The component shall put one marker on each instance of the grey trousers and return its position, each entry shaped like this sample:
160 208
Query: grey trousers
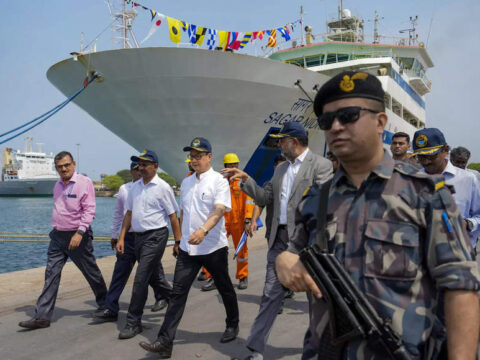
273 294
149 248
82 257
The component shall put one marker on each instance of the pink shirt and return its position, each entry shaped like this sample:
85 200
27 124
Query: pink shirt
73 204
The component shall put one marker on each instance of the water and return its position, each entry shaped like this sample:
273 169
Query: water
33 215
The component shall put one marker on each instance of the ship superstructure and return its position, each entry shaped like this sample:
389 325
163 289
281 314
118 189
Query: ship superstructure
162 97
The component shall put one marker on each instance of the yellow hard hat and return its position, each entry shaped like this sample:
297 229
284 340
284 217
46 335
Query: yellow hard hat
231 158
188 160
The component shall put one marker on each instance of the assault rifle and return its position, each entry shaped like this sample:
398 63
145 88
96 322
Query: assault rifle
351 315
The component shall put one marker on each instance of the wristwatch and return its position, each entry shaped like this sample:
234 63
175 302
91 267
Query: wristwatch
80 232
469 225
204 230
248 221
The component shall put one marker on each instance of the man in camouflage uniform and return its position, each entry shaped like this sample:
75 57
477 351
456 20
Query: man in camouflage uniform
396 230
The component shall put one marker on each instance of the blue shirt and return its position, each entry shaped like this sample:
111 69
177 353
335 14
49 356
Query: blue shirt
467 196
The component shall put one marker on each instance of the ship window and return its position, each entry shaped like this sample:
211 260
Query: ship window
314 61
331 58
388 101
342 57
396 107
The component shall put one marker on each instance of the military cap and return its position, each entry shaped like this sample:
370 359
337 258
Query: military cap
349 84
291 129
147 155
134 165
428 142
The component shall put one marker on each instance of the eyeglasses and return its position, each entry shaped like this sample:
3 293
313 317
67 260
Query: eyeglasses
197 156
344 115
63 166
427 157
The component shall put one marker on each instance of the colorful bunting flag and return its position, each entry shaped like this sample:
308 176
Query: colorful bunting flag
232 38
156 22
260 34
153 13
246 39
223 39
192 33
284 32
272 39
235 45
201 31
211 35
174 26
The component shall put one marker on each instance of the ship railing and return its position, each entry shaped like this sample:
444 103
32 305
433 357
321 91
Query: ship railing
415 73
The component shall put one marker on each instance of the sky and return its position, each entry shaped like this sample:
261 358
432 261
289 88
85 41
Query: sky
37 34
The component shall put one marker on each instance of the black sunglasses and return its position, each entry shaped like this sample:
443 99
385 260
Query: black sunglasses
344 115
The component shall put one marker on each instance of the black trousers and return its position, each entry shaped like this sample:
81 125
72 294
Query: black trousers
186 270
82 257
149 248
123 268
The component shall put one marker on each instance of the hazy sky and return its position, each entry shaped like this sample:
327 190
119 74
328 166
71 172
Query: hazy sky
36 34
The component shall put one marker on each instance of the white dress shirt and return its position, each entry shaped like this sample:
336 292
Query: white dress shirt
120 209
151 204
287 184
197 200
467 196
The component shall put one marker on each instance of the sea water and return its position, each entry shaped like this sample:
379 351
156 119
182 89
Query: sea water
34 215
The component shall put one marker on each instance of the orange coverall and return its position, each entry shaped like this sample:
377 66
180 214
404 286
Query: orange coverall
242 208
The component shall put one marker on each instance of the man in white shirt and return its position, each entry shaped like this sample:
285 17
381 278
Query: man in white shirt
126 261
290 181
150 204
431 149
204 198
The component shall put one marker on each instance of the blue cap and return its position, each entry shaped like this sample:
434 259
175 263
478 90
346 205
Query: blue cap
292 129
147 155
428 142
199 144
134 165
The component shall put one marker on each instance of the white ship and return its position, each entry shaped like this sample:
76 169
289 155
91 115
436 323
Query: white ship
27 173
160 98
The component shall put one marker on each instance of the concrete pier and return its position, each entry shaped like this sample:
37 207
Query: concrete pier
74 335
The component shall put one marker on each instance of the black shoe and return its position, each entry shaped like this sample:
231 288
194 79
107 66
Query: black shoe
99 310
34 324
130 331
105 316
202 277
164 350
210 285
229 334
243 283
159 305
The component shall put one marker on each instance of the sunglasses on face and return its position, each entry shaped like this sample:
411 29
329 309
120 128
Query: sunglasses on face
197 156
344 115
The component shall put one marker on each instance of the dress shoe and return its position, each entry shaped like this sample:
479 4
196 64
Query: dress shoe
160 305
106 316
229 334
34 324
99 310
202 277
163 350
210 285
130 331
243 283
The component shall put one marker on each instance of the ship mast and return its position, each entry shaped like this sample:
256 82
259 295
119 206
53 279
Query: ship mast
122 32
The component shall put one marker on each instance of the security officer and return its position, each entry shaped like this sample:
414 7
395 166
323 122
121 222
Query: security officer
396 230
235 220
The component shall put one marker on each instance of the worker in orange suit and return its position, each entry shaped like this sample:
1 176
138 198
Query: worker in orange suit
235 220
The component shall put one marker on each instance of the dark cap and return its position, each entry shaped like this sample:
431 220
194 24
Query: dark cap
428 142
133 165
348 84
147 155
199 144
291 129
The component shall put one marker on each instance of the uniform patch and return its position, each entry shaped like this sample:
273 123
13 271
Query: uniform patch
347 84
421 141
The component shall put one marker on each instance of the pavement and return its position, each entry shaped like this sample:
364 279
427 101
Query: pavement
73 333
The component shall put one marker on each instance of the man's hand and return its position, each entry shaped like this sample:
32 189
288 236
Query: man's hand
113 243
75 241
293 275
176 250
251 228
233 173
197 237
120 246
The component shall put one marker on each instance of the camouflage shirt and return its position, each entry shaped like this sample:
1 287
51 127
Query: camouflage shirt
396 245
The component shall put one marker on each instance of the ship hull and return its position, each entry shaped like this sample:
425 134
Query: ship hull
27 188
162 98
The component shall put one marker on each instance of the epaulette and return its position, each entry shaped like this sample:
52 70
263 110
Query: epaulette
436 181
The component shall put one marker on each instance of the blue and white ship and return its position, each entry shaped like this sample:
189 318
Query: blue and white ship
162 97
